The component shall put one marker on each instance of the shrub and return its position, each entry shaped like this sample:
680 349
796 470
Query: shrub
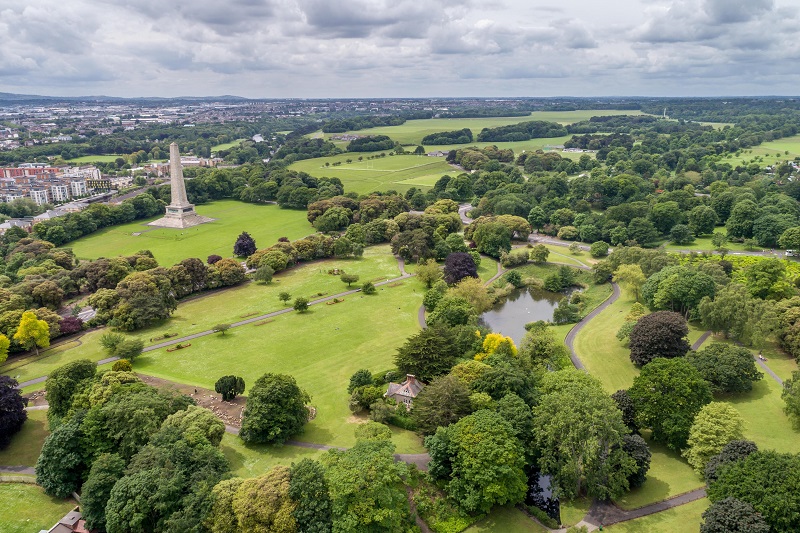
213 259
369 288
229 387
123 365
598 249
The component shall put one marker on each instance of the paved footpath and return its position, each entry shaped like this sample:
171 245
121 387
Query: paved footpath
173 341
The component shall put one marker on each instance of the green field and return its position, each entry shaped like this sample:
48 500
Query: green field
26 508
769 152
110 158
412 131
226 146
682 518
27 444
266 223
399 172
506 520
321 349
30 367
253 460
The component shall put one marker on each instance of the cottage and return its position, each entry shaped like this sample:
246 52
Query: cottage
405 392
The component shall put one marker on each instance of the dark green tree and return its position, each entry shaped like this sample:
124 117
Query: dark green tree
106 470
309 490
730 515
63 383
443 402
660 334
275 410
12 410
245 245
428 354
359 379
229 387
667 395
727 368
64 460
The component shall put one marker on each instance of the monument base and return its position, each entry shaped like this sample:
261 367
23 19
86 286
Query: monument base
180 217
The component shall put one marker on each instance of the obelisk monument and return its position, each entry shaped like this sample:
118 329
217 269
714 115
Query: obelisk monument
180 213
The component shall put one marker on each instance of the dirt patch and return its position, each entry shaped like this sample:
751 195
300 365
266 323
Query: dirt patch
229 412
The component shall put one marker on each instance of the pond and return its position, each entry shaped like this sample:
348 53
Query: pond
521 307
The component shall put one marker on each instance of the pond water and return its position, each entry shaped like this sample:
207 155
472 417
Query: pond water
521 307
540 494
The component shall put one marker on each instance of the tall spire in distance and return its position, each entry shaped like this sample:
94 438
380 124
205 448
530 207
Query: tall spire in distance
179 213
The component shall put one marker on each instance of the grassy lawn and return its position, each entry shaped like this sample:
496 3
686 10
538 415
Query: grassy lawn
506 520
266 223
226 146
669 475
400 172
412 131
110 158
321 349
254 460
25 508
23 369
252 299
573 511
770 152
701 244
27 444
683 518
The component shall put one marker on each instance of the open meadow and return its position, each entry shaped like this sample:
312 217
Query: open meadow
106 158
321 348
26 445
265 223
26 508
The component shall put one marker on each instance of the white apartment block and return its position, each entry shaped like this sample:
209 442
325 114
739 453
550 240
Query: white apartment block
40 196
12 197
60 193
78 188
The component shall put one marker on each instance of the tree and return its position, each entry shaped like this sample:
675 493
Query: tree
361 378
275 410
791 396
221 328
428 272
4 344
598 249
32 332
729 369
443 402
458 266
106 470
263 503
539 254
369 288
667 395
626 407
631 278
122 365
428 354
349 278
790 239
719 239
263 274
665 215
643 232
229 387
702 220
637 449
309 490
146 297
492 238
452 311
659 334
110 340
735 450
537 217
366 490
480 461
681 234
63 461
473 291
580 437
63 383
129 349
768 481
730 515
715 425
300 305
284 296
12 410
221 517
245 246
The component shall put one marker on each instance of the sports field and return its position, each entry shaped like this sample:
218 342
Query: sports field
226 146
266 223
109 158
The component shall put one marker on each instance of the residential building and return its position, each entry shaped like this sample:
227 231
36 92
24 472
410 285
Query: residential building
405 392
40 196
59 193
78 188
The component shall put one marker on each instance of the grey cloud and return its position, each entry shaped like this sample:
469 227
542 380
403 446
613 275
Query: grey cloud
731 11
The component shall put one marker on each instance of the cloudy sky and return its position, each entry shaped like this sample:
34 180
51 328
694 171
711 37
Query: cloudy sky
375 48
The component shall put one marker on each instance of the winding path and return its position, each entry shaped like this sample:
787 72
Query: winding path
400 264
605 513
